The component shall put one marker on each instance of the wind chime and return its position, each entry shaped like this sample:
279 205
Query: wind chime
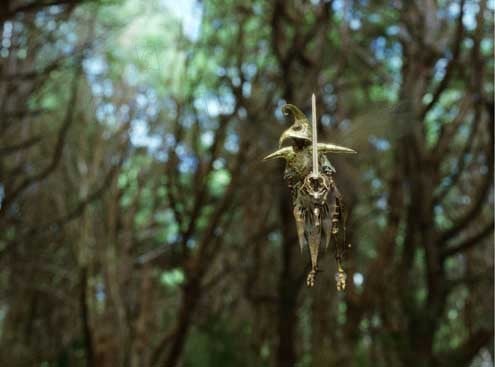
318 207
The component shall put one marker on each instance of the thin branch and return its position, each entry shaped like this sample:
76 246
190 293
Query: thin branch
28 143
451 65
35 6
462 158
448 131
59 146
482 191
469 242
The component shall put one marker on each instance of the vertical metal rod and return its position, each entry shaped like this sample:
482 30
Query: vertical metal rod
315 136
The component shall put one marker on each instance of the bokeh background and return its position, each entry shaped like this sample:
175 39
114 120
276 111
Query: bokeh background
139 227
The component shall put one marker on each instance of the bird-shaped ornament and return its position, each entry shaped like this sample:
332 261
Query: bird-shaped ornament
317 202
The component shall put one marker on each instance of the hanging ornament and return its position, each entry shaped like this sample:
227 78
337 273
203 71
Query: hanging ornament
318 206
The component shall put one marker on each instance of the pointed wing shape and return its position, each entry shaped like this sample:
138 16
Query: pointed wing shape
325 148
284 152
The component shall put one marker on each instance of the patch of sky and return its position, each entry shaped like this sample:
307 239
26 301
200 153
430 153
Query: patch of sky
279 115
105 113
329 98
42 18
6 42
274 236
380 144
469 17
232 142
187 119
236 80
393 30
189 12
169 140
439 69
221 71
100 292
394 59
467 43
141 100
328 89
161 155
188 162
207 138
94 66
107 88
378 46
358 279
338 5
487 45
219 163
131 74
246 89
326 120
123 113
376 183
355 24
7 29
6 36
453 10
381 203
242 113
55 9
345 125
214 106
369 174
374 18
249 70
140 136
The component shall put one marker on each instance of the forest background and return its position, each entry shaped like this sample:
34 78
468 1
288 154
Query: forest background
139 227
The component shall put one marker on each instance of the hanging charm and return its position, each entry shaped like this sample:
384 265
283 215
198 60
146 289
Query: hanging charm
318 207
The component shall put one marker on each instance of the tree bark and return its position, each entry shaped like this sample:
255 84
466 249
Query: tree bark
83 301
287 300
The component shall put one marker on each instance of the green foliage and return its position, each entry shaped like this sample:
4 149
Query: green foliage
216 344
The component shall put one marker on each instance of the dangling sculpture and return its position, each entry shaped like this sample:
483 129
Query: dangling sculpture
318 207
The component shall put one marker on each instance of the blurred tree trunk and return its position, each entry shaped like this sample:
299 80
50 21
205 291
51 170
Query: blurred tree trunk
288 289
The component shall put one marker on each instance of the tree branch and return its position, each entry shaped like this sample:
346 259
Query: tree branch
482 191
469 242
59 146
451 65
462 159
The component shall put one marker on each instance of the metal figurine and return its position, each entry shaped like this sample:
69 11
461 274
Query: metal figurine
318 207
